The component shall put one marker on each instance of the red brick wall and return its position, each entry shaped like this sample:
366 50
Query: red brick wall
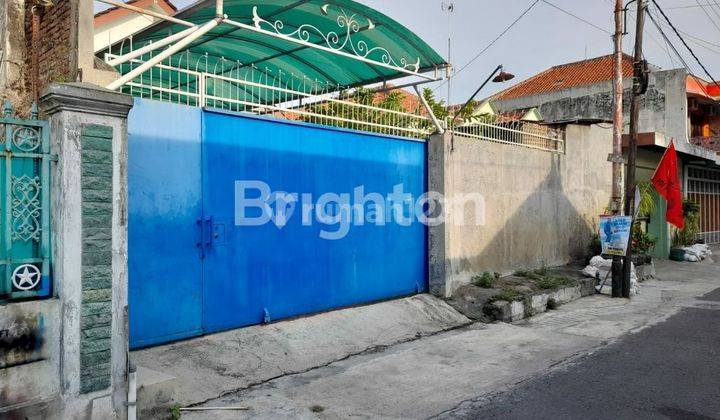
57 44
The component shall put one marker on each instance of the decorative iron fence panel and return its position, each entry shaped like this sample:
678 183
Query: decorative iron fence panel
24 206
517 133
279 95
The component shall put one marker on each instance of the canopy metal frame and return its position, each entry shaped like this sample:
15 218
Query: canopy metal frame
336 43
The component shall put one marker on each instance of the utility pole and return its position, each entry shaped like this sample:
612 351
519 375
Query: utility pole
639 87
449 8
616 157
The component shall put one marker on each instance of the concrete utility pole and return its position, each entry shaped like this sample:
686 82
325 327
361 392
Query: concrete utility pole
449 8
640 83
616 157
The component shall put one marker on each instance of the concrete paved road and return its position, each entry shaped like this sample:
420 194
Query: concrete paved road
457 373
670 370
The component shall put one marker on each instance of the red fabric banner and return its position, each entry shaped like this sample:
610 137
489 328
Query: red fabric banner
667 183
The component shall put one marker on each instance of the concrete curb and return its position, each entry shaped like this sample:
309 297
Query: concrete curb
514 311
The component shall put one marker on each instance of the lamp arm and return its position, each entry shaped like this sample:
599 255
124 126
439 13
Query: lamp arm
467 104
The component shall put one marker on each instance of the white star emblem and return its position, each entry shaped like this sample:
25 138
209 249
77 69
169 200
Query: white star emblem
26 277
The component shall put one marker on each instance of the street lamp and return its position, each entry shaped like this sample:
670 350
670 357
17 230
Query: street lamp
501 77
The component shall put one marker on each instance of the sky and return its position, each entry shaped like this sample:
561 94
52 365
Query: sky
545 36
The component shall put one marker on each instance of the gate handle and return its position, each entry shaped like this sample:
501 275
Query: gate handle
208 232
201 233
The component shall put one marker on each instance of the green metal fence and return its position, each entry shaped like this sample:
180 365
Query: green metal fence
24 206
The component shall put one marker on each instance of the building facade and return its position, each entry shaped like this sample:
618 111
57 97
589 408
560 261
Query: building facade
677 106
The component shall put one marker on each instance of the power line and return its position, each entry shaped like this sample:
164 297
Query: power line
697 38
701 42
704 46
576 17
708 15
713 8
487 47
684 43
672 46
692 6
654 39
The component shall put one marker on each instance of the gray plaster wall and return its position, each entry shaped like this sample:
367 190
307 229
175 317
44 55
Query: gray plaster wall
540 208
663 107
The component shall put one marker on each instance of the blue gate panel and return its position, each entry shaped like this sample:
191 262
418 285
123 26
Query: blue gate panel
165 203
251 272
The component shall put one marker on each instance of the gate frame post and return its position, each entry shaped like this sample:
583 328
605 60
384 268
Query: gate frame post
90 313
438 150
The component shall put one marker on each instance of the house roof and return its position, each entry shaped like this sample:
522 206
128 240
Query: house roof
699 87
109 15
565 76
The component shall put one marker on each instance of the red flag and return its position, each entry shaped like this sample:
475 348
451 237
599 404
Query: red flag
667 183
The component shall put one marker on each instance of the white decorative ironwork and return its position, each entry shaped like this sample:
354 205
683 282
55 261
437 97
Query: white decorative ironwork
26 208
26 277
333 40
231 86
515 132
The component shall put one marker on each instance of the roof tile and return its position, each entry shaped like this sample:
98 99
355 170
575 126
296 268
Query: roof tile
564 76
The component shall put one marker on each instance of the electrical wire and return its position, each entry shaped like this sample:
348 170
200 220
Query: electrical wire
708 15
661 44
487 47
691 6
576 17
684 43
700 44
713 8
677 53
697 38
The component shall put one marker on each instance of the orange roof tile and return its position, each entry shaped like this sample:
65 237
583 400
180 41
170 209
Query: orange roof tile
699 87
564 76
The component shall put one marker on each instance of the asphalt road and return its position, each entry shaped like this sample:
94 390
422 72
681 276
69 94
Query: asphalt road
669 370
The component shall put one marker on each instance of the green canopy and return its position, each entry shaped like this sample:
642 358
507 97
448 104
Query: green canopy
341 25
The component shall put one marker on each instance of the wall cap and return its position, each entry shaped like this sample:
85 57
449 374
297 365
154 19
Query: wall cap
87 98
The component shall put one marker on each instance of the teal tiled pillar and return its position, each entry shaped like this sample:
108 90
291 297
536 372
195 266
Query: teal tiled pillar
89 208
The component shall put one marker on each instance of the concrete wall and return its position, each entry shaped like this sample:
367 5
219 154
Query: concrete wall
110 33
663 107
541 208
12 48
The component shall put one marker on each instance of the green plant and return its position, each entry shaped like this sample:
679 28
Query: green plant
552 282
175 412
485 280
647 198
543 279
688 235
642 242
508 295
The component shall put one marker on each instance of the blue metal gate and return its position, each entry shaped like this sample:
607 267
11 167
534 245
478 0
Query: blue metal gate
194 269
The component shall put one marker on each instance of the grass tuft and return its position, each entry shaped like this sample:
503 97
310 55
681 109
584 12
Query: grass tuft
486 280
543 279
